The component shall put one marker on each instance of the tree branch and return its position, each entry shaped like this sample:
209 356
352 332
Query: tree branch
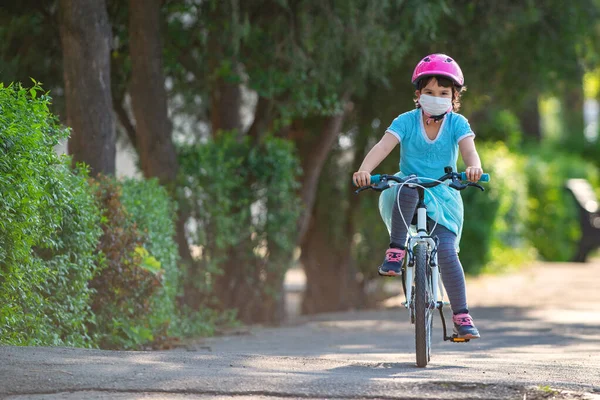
313 164
125 122
262 118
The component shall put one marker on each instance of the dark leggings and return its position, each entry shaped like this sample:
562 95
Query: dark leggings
452 271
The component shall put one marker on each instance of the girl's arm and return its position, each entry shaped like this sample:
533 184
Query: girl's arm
377 154
471 158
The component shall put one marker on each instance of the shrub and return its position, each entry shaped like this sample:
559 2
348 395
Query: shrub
244 207
48 228
136 288
553 222
71 256
154 213
494 232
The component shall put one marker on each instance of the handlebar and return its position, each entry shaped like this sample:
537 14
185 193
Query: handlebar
375 179
381 182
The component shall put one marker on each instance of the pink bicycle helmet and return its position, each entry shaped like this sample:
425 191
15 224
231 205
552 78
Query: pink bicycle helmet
438 64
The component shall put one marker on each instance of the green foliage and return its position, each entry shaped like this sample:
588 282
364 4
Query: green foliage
243 203
504 57
71 257
153 212
190 323
525 205
302 56
553 223
494 232
48 228
501 125
136 289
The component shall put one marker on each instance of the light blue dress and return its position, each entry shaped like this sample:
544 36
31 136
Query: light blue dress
427 158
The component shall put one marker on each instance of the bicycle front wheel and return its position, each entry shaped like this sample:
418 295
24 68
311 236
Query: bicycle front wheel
423 311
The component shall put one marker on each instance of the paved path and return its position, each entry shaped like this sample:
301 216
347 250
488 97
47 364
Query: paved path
540 339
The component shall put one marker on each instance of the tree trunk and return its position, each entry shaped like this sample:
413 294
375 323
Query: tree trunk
313 161
572 118
324 271
332 282
225 91
529 117
85 36
240 291
149 102
262 119
573 112
331 279
355 287
226 104
126 122
148 94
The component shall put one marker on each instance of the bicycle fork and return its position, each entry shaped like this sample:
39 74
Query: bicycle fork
431 244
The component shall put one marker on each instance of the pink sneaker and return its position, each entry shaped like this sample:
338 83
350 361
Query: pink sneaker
392 264
464 327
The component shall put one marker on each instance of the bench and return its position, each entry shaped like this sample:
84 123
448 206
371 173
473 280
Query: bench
589 217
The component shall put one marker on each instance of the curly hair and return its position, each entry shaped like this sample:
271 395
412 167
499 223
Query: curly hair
457 91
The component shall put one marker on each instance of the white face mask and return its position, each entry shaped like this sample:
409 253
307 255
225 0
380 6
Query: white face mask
433 105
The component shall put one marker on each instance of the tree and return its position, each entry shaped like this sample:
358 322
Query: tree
152 134
148 94
512 51
307 61
86 37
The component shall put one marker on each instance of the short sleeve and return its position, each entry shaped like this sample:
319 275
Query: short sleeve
462 129
399 126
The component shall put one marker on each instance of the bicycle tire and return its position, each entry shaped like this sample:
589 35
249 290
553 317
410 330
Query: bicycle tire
423 313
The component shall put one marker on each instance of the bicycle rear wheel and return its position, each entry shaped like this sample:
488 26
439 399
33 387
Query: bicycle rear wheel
423 311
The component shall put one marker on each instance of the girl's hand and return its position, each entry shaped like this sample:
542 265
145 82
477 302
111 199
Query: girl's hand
474 173
362 178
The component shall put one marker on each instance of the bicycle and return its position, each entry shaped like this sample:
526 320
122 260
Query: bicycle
422 286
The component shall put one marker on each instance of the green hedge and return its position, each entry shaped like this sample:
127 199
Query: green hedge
136 288
48 228
82 262
494 233
154 212
525 207
70 255
553 222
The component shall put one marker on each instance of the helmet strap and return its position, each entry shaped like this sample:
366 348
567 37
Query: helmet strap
434 118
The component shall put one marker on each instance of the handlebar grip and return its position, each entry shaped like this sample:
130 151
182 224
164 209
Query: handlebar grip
375 179
484 177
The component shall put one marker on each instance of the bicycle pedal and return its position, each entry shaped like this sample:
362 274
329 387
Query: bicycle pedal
395 275
455 339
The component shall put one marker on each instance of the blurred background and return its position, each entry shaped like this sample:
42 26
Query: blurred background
220 138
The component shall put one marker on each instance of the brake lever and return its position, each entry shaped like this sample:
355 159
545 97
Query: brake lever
478 186
362 188
457 185
379 187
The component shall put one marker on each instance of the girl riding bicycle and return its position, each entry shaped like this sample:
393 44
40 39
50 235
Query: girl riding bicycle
430 138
